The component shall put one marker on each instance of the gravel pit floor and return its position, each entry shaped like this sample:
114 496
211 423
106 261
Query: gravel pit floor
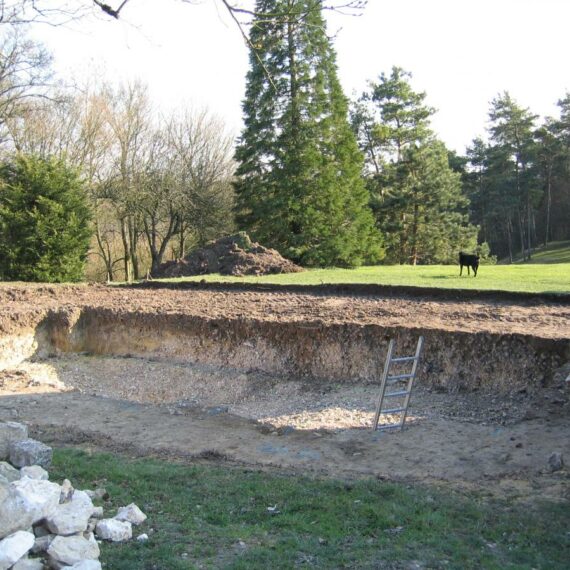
147 407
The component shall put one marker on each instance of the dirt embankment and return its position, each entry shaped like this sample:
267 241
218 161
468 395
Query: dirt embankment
185 372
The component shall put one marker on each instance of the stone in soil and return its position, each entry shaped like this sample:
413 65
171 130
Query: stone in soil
10 432
114 530
72 549
30 452
14 547
131 513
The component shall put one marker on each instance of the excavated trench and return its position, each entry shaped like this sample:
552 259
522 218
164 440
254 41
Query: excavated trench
185 373
345 354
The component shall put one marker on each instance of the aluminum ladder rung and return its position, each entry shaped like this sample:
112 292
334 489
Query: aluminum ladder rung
389 426
396 394
388 380
404 359
392 411
392 379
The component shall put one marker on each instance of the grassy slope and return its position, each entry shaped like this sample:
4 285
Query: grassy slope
199 514
554 277
557 252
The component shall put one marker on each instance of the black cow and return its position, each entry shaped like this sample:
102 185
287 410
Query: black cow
469 261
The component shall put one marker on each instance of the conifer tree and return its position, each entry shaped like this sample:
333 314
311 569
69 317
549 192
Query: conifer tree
416 195
299 186
44 221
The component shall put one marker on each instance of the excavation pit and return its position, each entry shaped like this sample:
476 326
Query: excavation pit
290 379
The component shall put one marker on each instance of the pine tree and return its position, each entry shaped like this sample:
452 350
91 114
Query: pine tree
416 195
299 185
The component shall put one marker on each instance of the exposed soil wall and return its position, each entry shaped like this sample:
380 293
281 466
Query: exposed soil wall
455 361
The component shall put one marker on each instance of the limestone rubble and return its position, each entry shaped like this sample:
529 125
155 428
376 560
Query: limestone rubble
44 524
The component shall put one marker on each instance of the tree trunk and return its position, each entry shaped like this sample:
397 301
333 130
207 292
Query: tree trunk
105 254
414 249
521 232
127 251
510 238
133 239
548 205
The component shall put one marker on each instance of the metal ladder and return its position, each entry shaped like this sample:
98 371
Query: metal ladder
400 393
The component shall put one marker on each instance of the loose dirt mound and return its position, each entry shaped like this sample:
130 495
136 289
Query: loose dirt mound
232 255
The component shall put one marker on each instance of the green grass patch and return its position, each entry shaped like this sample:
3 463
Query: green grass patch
218 517
556 252
552 278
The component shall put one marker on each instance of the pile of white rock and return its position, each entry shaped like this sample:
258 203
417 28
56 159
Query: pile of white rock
46 525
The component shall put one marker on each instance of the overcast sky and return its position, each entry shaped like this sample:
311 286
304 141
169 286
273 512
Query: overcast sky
461 52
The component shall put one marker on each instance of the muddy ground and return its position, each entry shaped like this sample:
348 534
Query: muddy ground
496 442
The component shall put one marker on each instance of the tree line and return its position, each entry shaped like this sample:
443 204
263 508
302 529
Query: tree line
325 180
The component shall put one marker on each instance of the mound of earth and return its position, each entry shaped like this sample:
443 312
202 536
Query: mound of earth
231 255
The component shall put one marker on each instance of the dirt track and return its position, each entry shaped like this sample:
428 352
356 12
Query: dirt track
471 439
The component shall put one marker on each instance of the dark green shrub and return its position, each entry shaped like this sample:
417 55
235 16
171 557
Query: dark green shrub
44 221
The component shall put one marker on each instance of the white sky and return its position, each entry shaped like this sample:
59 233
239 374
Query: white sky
461 52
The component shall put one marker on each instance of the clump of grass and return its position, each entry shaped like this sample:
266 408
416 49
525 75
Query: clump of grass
220 517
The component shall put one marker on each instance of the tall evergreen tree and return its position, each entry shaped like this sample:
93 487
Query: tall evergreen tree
416 194
299 186
512 133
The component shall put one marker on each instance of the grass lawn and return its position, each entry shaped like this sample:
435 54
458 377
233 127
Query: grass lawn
218 517
554 277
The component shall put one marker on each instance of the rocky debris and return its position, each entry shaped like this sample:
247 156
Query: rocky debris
67 491
8 472
142 537
231 255
100 493
55 523
30 452
114 530
132 514
27 502
14 547
69 550
34 472
28 564
97 513
555 462
72 516
11 432
42 543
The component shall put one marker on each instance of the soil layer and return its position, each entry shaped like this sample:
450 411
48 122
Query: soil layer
288 379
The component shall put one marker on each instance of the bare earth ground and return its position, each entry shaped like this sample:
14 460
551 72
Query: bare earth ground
144 407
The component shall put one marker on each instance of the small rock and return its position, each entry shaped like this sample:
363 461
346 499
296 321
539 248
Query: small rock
142 537
29 564
41 544
30 452
11 432
13 547
131 513
73 549
114 530
41 530
100 493
71 517
97 513
555 462
34 472
67 491
8 472
27 502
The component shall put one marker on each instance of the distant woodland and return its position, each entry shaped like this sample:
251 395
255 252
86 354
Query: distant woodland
96 183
